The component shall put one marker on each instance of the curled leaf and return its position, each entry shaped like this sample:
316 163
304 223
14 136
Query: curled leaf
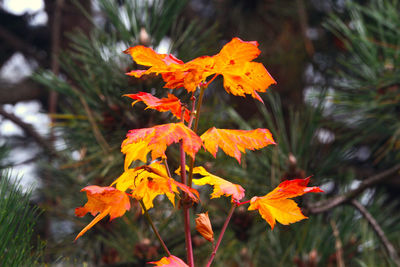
102 201
276 205
203 226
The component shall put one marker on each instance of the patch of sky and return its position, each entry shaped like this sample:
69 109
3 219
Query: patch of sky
164 47
328 187
19 7
34 9
29 112
16 68
325 136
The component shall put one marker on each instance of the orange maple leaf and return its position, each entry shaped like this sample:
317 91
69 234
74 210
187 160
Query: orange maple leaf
241 76
275 206
157 138
171 261
102 200
234 63
221 186
149 181
159 63
191 74
171 103
233 142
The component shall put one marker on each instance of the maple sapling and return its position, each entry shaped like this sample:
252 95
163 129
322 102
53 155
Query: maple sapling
241 77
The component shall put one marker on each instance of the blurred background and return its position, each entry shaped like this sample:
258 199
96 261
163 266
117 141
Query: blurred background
334 114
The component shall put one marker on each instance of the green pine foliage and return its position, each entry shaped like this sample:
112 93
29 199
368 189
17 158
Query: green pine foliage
367 87
17 221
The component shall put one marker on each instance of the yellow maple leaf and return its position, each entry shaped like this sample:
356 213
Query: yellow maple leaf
221 186
148 181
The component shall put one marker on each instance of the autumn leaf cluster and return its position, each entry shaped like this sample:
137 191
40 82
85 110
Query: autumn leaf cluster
241 77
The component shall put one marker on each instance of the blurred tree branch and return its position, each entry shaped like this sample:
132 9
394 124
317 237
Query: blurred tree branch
30 131
378 230
326 205
26 89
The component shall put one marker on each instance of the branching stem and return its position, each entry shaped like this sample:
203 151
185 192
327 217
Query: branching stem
391 251
328 204
221 235
242 203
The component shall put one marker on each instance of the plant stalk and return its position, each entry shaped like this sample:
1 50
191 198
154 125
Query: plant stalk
198 107
192 111
167 167
185 207
221 235
154 228
195 128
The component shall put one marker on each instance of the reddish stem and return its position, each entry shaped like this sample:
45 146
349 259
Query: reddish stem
186 215
195 127
210 81
221 235
242 203
192 114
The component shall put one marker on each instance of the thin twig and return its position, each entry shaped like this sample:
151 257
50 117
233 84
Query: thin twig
333 202
338 244
210 81
154 228
167 167
30 131
378 230
221 235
